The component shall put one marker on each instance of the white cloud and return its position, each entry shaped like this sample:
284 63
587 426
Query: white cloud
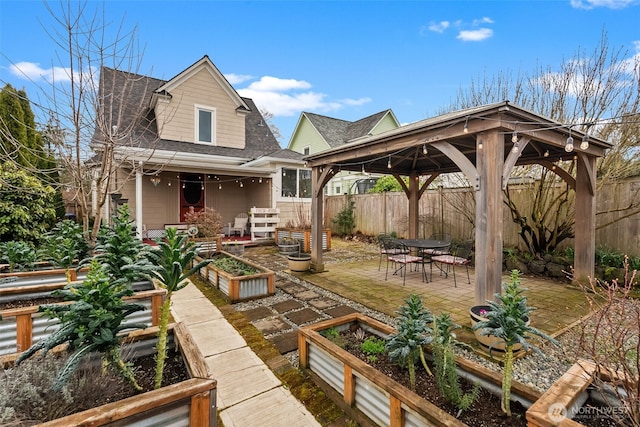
235 79
289 97
611 4
439 27
475 35
356 102
484 20
33 71
268 83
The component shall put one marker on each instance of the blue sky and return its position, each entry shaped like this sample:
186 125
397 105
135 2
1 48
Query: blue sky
343 59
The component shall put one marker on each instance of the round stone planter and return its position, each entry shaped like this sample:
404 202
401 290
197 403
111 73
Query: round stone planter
299 262
488 341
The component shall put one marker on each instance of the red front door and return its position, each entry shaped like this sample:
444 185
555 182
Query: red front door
191 193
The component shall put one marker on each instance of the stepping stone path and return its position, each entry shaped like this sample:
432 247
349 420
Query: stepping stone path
295 303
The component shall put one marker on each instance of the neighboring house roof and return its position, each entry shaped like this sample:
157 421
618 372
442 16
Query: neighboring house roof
337 132
132 97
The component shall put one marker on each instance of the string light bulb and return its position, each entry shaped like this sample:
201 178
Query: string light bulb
424 149
546 153
514 137
466 125
585 142
260 180
516 145
389 163
568 147
241 184
480 145
363 171
220 186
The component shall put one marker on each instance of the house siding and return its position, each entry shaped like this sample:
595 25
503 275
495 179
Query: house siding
387 123
176 119
307 135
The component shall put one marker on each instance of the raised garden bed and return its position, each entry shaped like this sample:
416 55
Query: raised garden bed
22 327
39 277
372 397
191 402
304 236
252 281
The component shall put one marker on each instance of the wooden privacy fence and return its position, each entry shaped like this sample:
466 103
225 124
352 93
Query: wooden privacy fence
453 210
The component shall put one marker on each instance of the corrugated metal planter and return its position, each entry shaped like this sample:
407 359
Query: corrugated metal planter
188 403
240 288
24 326
40 277
304 236
371 397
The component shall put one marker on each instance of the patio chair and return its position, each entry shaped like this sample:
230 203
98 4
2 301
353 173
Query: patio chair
403 258
460 255
445 250
385 251
240 224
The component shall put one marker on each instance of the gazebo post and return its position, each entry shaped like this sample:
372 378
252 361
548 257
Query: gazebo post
318 180
585 223
488 249
413 204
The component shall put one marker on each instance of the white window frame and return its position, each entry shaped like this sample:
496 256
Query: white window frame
212 110
297 195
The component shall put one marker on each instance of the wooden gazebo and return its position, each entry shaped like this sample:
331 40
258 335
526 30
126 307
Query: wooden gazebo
485 143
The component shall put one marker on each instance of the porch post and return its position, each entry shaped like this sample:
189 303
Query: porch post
585 225
488 249
139 202
316 220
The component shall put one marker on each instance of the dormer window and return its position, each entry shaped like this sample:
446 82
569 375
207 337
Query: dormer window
205 125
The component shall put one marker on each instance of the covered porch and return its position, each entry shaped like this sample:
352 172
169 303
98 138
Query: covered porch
485 144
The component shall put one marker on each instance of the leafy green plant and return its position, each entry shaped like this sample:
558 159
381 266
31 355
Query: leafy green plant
346 218
18 254
65 245
508 319
175 263
122 255
445 364
405 346
233 266
91 323
333 335
372 347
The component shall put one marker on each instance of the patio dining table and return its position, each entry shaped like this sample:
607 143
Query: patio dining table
420 245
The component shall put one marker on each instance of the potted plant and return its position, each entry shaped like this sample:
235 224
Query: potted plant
299 261
508 319
288 245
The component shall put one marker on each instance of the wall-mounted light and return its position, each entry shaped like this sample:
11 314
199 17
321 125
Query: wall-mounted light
155 180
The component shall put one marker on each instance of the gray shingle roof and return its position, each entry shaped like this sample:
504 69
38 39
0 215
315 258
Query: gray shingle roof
130 94
337 132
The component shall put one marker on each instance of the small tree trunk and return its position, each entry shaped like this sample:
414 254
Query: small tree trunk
162 340
506 380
